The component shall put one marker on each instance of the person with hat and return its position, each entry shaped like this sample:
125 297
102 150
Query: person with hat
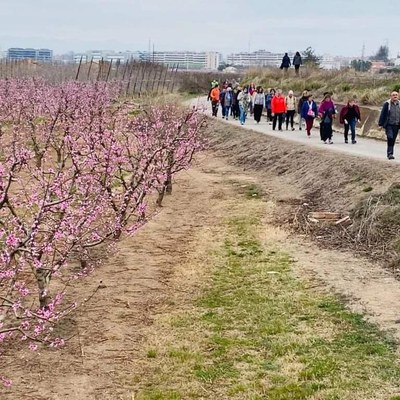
291 104
214 97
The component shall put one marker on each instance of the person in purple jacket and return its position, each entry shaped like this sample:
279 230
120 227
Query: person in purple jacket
327 112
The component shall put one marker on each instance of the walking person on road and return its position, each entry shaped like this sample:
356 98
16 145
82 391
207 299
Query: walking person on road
302 100
327 113
244 101
285 65
268 99
349 116
259 103
252 93
222 100
278 108
228 100
297 61
235 103
214 97
390 120
309 112
291 106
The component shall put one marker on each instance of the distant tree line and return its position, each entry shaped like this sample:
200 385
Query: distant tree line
382 54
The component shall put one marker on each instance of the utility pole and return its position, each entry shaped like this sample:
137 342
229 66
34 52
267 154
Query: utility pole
362 57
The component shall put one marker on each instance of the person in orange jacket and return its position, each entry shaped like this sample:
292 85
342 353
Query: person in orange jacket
278 108
214 97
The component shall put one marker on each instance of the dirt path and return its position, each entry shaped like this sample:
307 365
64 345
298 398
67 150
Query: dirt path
365 147
98 363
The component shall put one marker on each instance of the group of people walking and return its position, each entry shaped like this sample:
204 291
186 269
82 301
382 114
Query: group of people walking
238 102
281 109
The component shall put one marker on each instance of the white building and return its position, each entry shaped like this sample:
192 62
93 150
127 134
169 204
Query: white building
109 55
328 61
259 58
187 59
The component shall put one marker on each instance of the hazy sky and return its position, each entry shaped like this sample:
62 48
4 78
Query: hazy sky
338 27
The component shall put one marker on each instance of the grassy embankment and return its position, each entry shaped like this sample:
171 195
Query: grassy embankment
256 331
370 89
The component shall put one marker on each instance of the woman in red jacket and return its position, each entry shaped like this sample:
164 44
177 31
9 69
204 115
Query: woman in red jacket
278 108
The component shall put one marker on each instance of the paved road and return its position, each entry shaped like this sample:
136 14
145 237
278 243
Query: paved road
365 147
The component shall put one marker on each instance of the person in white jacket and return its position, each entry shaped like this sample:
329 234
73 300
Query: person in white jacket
259 104
291 104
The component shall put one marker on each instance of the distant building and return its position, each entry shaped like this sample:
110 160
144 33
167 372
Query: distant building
109 55
42 55
230 70
377 66
334 62
259 58
188 60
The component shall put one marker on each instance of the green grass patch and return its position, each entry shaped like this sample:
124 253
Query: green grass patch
258 332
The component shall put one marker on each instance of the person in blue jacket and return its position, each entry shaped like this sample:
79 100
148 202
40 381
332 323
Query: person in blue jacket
309 112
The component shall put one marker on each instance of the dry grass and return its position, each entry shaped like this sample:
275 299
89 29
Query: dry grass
370 89
323 181
243 327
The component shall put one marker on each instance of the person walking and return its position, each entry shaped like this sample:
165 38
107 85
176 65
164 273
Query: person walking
327 113
259 103
214 97
297 61
309 111
235 103
303 98
228 101
285 65
222 100
244 101
268 99
349 115
278 108
389 119
252 93
291 105
213 84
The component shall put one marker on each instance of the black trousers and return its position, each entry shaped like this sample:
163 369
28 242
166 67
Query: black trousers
258 111
235 110
326 131
391 135
290 118
214 105
278 117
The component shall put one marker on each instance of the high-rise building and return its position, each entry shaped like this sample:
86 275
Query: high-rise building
259 58
188 60
43 55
